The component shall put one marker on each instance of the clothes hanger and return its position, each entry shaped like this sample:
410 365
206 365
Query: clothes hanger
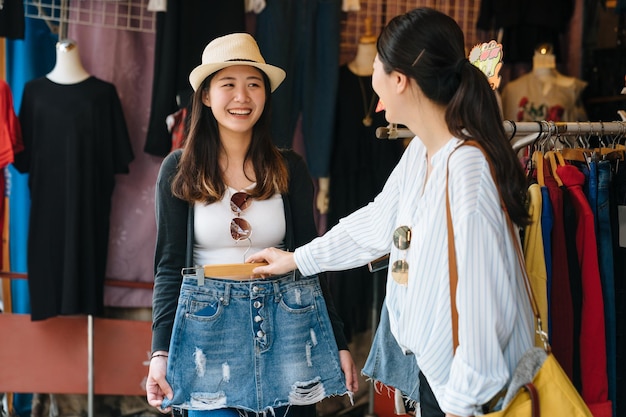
551 157
232 270
538 158
235 272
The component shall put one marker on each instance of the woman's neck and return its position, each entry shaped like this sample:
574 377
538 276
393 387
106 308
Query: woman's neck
68 68
431 127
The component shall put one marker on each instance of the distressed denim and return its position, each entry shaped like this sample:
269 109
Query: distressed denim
389 365
252 345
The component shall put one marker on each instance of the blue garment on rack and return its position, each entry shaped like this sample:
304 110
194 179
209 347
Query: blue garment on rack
547 220
302 37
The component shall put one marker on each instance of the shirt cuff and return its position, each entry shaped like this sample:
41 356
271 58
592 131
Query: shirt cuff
305 262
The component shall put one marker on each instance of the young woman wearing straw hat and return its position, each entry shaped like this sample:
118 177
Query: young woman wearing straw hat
240 344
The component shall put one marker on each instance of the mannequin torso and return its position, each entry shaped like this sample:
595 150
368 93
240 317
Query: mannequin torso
362 64
68 68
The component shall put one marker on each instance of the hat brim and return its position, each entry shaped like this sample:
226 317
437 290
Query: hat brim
198 75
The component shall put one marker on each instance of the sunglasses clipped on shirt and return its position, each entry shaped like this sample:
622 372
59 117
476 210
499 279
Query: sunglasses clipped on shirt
240 229
400 268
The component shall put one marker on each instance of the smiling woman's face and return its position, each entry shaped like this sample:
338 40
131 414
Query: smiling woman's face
236 96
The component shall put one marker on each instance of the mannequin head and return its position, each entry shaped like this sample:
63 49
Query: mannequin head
544 57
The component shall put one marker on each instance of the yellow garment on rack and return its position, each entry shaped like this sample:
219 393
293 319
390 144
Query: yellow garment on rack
534 256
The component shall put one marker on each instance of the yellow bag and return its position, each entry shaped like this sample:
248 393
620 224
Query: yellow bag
550 394
539 385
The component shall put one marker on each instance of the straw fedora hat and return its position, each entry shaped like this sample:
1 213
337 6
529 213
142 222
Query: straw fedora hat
233 49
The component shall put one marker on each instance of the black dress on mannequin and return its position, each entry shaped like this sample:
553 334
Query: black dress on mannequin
75 141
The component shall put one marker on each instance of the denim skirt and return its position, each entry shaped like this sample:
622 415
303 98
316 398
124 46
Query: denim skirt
252 345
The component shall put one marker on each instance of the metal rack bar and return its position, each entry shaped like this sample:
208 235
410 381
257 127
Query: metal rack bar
514 129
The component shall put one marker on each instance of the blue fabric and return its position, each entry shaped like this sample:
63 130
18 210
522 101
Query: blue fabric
232 412
547 220
387 363
253 345
302 37
26 59
591 186
605 260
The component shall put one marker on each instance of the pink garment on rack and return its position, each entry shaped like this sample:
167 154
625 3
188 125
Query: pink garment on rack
592 334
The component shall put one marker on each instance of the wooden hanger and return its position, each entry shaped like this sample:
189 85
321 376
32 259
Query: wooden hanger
235 272
240 272
583 154
551 157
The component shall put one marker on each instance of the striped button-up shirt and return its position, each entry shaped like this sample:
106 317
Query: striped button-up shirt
495 319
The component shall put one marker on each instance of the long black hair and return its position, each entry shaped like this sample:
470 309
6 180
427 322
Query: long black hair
428 46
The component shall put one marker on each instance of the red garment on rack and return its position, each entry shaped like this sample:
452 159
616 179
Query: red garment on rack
10 130
592 334
10 143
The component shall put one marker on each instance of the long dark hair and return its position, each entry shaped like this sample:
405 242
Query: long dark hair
429 47
199 177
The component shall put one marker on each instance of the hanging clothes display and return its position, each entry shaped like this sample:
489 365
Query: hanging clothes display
584 231
534 255
10 144
75 141
560 310
303 38
182 33
12 22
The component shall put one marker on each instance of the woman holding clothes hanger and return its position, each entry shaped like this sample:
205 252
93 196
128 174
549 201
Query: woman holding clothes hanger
426 83
238 344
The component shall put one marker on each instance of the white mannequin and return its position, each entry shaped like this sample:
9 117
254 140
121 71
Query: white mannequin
68 68
361 65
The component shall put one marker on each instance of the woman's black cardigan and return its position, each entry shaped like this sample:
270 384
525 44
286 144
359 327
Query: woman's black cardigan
174 237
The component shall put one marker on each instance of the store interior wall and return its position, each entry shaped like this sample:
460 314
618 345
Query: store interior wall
125 58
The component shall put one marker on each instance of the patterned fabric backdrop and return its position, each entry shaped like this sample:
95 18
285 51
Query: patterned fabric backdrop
465 12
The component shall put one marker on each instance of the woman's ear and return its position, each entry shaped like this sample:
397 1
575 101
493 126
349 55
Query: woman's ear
401 80
205 98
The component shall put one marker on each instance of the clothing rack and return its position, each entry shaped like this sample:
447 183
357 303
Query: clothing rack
522 134
531 132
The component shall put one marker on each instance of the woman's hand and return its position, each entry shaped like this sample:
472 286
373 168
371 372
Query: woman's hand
278 262
157 387
349 369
